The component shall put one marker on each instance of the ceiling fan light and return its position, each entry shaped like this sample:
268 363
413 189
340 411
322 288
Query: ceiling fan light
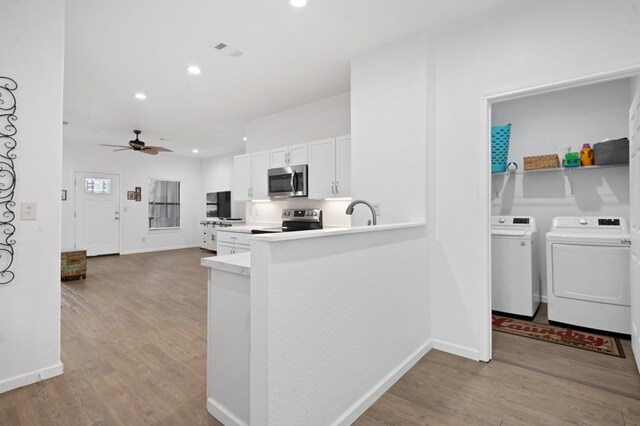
298 3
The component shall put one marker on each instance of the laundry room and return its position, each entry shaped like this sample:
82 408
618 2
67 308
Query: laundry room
560 205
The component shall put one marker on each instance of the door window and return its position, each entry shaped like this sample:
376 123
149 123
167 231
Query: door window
97 186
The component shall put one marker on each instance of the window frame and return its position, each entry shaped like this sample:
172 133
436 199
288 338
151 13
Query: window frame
179 204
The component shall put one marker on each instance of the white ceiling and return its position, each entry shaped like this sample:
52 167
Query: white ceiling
291 57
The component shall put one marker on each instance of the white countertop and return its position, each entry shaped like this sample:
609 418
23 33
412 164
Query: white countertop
246 229
288 236
239 263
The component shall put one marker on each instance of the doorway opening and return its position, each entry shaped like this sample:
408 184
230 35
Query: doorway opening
556 119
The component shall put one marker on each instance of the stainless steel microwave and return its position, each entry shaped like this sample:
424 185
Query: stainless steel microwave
287 182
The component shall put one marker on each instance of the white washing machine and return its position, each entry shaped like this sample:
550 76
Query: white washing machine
588 272
515 276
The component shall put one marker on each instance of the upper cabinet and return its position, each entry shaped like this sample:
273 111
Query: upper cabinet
293 155
330 168
250 176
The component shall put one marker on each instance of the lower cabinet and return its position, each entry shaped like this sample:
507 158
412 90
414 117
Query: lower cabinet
233 242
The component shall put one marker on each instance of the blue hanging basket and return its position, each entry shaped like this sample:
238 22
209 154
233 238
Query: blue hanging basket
499 147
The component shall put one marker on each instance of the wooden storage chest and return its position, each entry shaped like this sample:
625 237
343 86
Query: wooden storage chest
73 265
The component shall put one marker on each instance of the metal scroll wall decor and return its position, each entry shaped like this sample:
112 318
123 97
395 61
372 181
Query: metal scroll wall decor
8 143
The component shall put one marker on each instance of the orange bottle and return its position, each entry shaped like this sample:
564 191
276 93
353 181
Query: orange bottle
586 155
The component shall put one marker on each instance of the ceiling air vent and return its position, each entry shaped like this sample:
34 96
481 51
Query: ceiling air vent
228 50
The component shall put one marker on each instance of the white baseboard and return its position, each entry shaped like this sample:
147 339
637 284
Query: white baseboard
541 299
150 250
31 377
223 415
454 349
367 400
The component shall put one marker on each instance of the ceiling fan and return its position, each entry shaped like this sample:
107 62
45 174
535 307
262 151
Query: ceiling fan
138 145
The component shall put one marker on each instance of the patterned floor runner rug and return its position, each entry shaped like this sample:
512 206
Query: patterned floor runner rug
563 336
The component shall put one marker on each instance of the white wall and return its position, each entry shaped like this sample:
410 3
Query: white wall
545 124
389 129
335 321
32 35
325 118
135 169
217 175
634 85
533 43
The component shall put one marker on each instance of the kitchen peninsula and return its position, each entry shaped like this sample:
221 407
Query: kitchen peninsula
312 327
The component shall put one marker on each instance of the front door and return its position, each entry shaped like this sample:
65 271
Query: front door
634 177
97 213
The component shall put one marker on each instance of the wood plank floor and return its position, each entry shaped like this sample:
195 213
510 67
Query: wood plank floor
134 351
133 347
527 382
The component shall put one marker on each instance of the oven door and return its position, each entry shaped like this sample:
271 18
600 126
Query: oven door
288 182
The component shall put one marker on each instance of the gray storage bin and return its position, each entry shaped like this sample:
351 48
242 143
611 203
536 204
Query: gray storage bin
611 152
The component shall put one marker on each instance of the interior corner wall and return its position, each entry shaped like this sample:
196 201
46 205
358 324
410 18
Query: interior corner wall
217 175
32 35
322 119
635 85
389 129
477 58
135 169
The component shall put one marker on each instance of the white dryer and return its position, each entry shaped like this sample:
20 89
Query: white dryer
588 272
515 276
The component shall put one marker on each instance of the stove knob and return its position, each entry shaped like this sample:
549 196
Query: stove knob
583 221
315 213
501 220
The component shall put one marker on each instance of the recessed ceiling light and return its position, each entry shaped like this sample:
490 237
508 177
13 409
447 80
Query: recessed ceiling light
298 3
193 69
244 139
195 151
140 96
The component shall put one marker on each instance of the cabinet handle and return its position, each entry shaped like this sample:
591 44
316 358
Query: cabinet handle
286 158
248 193
333 184
337 192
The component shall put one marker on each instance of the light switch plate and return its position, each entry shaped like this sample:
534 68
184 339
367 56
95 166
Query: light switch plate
28 211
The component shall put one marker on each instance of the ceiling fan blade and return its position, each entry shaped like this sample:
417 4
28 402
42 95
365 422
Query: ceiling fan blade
159 148
149 150
122 149
115 146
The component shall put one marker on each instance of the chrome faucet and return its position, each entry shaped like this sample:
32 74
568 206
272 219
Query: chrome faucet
354 203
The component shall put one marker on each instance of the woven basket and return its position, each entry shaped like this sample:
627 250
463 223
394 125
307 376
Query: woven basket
541 162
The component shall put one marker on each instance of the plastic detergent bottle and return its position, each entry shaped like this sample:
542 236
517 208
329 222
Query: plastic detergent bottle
586 155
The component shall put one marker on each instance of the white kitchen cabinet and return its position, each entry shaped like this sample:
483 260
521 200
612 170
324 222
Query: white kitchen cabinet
293 155
250 176
343 166
209 233
330 168
230 242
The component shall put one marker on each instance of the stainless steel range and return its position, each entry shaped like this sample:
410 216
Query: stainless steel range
295 220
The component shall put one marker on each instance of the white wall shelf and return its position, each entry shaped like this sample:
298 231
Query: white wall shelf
561 169
567 171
